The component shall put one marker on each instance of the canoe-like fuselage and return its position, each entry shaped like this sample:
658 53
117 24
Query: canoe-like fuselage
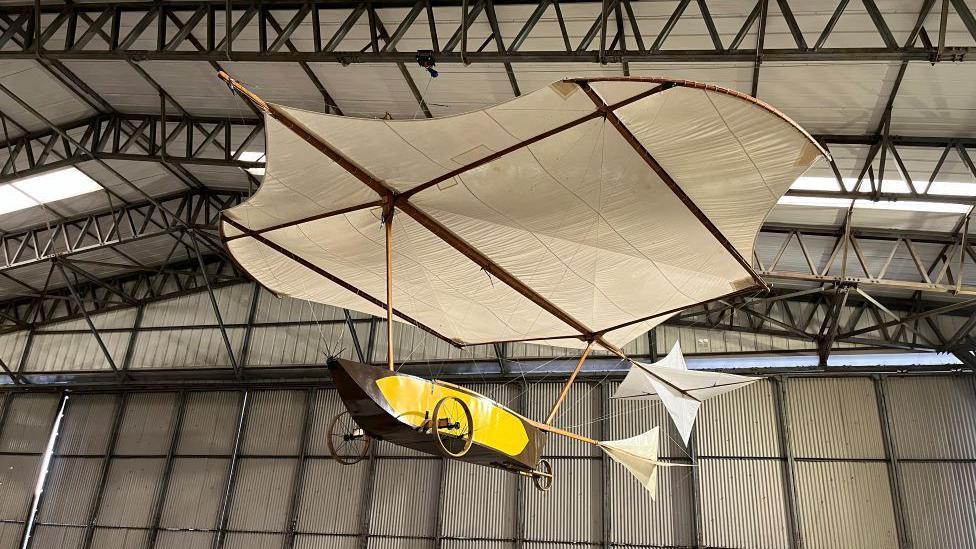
394 407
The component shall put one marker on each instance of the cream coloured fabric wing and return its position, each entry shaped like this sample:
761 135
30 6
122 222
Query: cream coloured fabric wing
547 189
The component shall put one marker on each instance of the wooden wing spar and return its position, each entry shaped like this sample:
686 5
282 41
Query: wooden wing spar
587 211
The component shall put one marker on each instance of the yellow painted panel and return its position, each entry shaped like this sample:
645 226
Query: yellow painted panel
494 426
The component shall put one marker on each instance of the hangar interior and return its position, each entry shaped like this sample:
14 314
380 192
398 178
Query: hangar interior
153 395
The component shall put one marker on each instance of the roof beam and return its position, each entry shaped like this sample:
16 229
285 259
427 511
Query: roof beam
215 45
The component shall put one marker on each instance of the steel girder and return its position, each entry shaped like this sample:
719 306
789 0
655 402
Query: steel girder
186 140
182 140
189 31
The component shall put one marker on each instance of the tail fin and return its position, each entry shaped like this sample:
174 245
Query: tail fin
639 456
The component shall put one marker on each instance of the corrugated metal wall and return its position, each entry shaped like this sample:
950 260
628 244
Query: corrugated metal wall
804 461
267 332
26 423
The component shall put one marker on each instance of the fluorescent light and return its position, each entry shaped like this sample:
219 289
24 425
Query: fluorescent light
42 189
12 200
253 156
57 185
815 201
897 205
808 183
912 206
954 188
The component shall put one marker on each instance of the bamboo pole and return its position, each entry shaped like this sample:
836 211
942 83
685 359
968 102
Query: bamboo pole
388 226
569 383
562 432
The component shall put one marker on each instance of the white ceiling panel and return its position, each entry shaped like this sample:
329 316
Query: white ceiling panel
829 97
937 100
33 84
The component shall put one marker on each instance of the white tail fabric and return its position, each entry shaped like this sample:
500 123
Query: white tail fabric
639 456
680 390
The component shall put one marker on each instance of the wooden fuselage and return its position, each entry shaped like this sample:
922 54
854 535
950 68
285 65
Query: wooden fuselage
394 407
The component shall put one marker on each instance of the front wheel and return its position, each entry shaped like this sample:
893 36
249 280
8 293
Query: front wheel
348 442
452 426
542 476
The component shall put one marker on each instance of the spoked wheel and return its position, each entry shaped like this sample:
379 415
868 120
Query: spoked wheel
542 476
348 442
452 426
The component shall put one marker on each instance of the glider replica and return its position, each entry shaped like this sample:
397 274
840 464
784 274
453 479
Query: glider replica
579 215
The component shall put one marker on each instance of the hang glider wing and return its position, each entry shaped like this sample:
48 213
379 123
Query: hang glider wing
587 209
680 390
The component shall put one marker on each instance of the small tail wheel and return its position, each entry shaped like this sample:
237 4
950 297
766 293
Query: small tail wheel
348 442
542 476
452 426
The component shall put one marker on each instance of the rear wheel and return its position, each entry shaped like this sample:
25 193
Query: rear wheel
542 476
348 442
452 426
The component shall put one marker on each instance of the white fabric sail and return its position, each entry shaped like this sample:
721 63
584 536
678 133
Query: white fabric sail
639 456
680 390
586 209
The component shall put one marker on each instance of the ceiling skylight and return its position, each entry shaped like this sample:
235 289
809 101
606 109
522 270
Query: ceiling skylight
892 186
45 188
253 156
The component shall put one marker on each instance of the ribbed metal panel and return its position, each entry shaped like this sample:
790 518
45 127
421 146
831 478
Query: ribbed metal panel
705 340
12 346
70 486
939 503
57 537
399 543
845 504
413 344
196 489
183 540
10 534
120 318
275 309
332 497
834 418
388 449
579 414
86 425
28 424
209 423
743 503
482 493
182 349
325 406
628 418
405 497
250 540
274 423
326 542
262 493
475 544
929 415
636 519
75 351
147 426
18 477
740 423
196 309
119 538
131 490
575 493
298 345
